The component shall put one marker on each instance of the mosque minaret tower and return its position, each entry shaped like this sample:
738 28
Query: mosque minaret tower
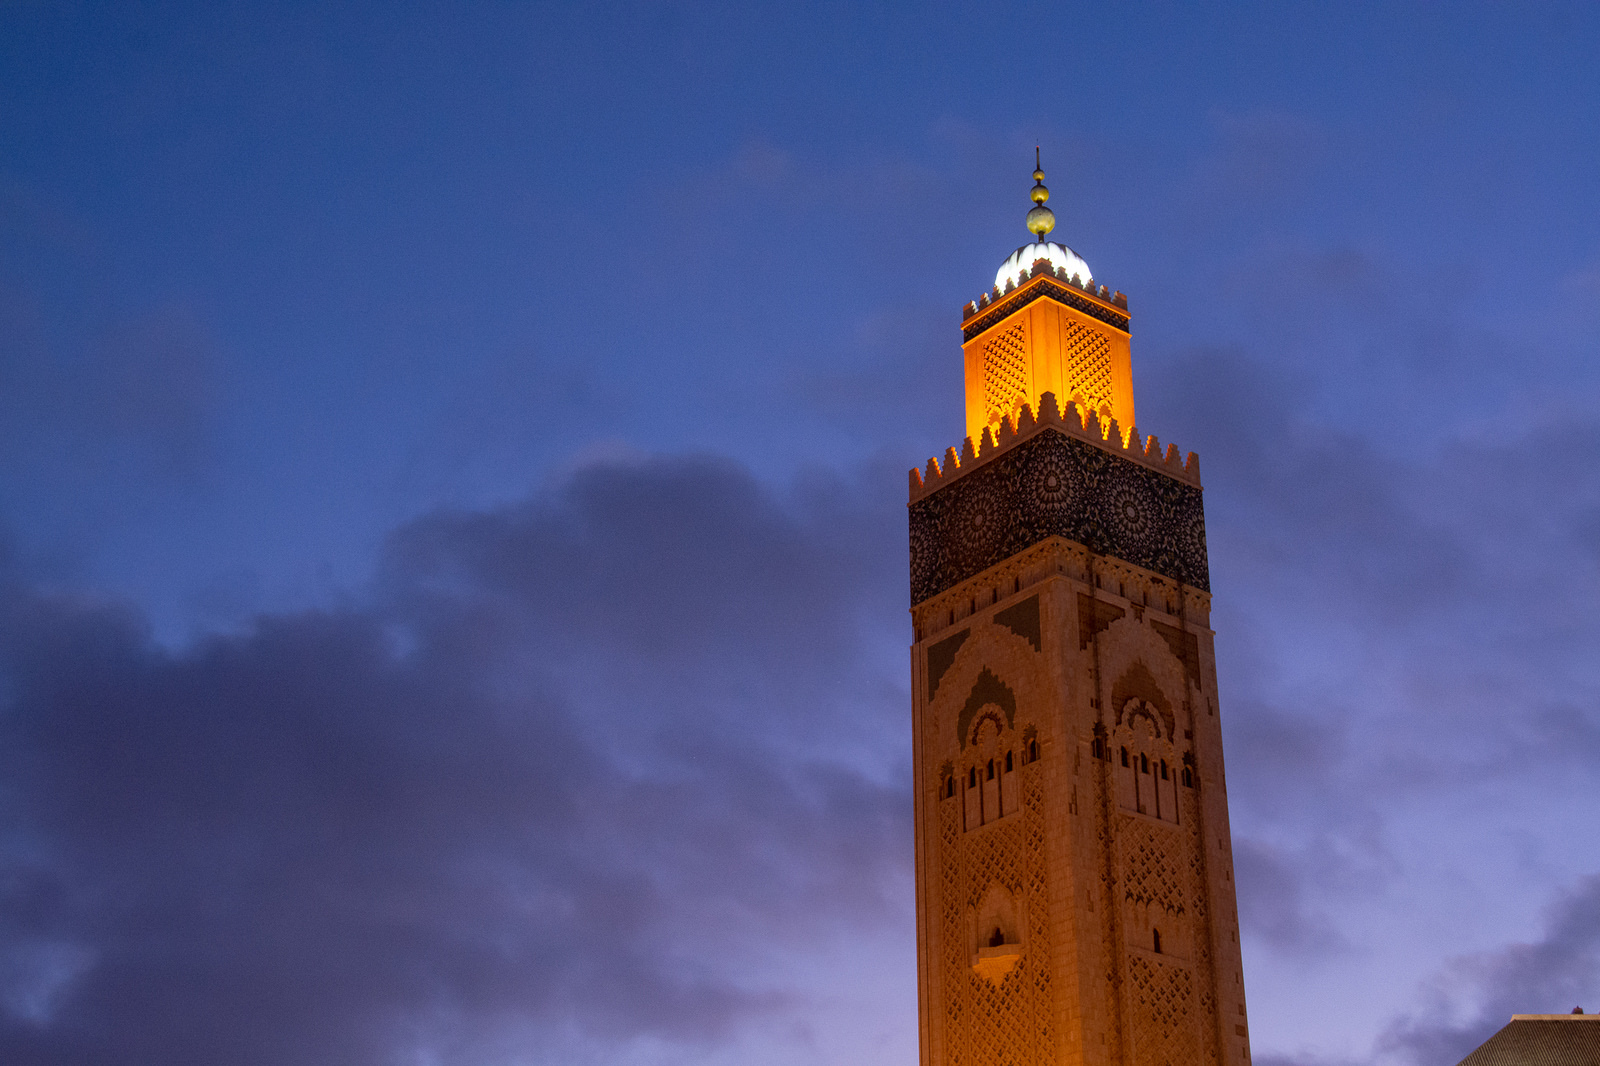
1075 899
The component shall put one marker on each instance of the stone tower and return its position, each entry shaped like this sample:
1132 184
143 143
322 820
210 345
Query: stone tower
1075 899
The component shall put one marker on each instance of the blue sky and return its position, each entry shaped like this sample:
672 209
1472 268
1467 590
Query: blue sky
451 479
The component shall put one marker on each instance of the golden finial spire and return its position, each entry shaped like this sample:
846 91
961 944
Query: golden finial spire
1041 220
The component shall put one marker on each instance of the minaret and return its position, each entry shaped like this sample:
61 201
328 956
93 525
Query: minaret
1075 899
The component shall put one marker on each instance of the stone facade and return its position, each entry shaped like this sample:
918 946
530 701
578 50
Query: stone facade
1075 890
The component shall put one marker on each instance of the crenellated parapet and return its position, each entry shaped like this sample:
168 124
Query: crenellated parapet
1085 425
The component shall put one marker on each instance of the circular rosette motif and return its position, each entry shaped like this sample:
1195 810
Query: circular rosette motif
1187 536
976 524
1179 540
1132 514
1052 487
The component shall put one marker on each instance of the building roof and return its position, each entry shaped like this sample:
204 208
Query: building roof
1542 1040
1023 258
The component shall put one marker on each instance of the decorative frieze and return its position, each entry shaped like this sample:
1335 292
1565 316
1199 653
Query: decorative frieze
1042 481
1098 304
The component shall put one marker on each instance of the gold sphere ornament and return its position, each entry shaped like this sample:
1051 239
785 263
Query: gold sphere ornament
1041 219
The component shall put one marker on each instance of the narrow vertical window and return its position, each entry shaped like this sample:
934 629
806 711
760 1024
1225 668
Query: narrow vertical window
1158 941
972 801
1009 797
1124 756
1144 764
1033 750
990 773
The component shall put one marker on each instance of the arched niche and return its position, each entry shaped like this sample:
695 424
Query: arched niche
997 935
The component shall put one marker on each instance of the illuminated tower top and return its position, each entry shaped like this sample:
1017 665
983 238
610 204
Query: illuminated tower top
1045 327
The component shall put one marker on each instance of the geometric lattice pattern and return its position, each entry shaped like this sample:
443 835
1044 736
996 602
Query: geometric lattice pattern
1011 1023
1088 355
1005 371
1154 874
1160 866
1161 996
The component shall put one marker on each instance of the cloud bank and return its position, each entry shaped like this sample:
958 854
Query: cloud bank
572 776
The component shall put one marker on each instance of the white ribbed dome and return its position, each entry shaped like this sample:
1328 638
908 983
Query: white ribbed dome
1023 258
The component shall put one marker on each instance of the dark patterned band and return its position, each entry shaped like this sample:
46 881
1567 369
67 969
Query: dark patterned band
1061 293
1057 486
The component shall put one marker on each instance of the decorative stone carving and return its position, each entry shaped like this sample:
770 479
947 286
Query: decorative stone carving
1056 485
1044 286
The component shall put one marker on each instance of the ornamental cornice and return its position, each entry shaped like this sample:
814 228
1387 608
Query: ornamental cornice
1100 304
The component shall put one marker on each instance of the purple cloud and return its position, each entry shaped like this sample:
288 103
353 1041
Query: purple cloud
510 800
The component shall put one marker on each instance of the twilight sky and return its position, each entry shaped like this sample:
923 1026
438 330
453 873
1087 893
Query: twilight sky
452 478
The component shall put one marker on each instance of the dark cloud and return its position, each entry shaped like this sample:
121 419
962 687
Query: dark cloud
1550 975
569 773
1272 901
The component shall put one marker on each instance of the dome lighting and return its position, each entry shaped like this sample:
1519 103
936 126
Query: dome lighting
1059 255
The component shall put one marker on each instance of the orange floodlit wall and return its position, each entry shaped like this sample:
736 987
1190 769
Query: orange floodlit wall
1030 341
